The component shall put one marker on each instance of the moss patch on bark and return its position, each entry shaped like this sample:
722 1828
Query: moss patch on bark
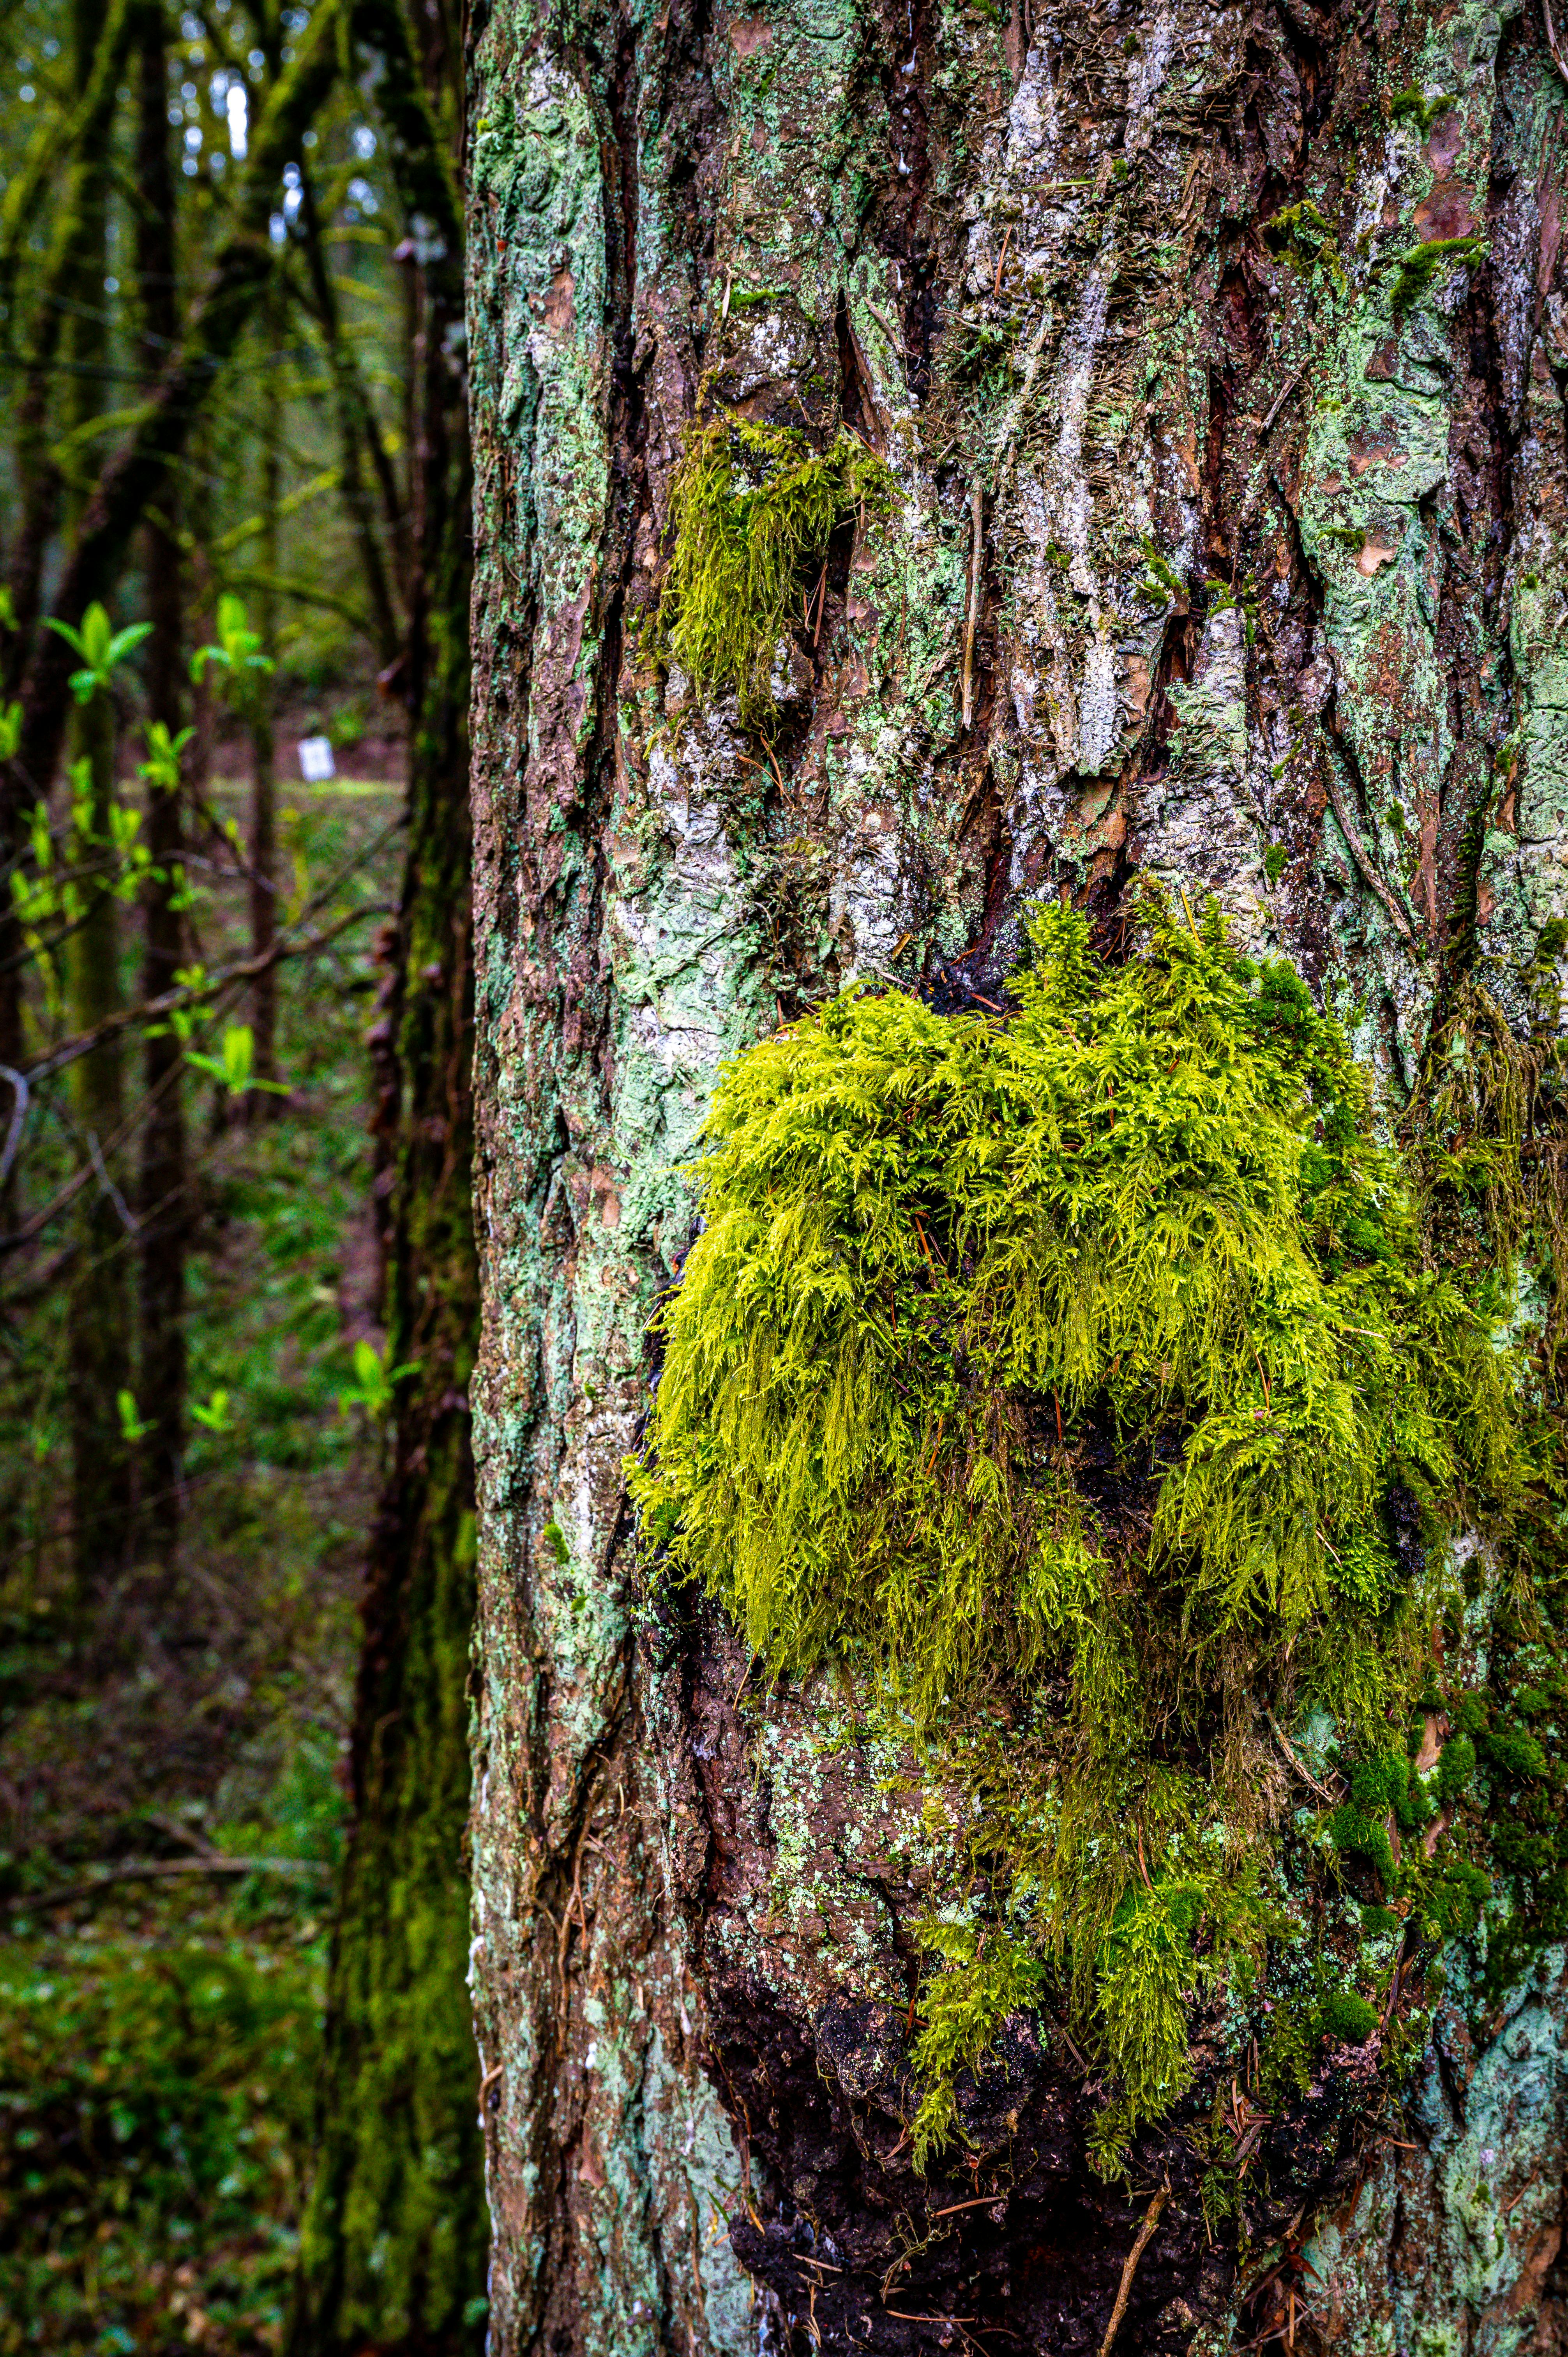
1084 1373
754 509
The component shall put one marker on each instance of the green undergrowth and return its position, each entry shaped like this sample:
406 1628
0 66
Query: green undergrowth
754 508
159 2049
156 2096
1084 1377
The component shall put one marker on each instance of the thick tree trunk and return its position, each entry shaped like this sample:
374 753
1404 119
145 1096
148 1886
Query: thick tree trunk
1219 353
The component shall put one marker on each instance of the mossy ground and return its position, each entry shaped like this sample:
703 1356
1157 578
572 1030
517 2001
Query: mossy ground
1088 1375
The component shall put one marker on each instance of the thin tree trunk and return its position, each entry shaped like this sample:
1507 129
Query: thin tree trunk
262 847
1218 354
358 433
393 2249
98 1362
98 1353
164 1212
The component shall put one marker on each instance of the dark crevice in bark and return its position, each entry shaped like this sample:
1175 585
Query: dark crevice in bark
904 232
1008 2230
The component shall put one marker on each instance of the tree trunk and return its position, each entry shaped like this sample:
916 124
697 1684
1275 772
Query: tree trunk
258 689
393 2251
98 1358
164 1212
1218 354
99 1361
358 433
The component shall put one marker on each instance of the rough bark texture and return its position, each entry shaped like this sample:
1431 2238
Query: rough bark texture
1230 513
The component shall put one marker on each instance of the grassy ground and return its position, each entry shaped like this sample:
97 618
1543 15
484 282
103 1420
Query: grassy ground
160 2013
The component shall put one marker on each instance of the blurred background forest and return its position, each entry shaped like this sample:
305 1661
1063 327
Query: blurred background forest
237 1299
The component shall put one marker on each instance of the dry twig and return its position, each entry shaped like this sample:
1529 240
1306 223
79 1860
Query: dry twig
1124 2290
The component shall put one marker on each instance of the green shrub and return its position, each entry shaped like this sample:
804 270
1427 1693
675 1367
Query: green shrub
155 2106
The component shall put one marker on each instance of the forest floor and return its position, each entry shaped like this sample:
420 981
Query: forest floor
160 2006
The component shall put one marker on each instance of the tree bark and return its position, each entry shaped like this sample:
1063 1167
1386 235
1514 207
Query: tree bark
393 2250
1219 353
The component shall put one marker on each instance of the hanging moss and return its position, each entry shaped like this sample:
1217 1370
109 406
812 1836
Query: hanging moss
1089 1358
754 508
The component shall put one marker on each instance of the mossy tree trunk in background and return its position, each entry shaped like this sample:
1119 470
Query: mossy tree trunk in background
165 1213
100 1288
262 845
99 43
1218 354
394 2245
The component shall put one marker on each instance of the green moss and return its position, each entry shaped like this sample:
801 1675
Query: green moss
1285 2062
1452 1903
1302 235
953 1269
1348 2019
1276 859
1357 1834
1414 106
1456 1769
990 1974
1514 1756
1162 583
753 509
1419 264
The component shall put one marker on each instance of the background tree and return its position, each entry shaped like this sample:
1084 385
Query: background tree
228 460
395 2240
1215 355
164 1210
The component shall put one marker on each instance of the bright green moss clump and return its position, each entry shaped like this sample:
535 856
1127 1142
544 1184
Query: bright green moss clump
1080 1358
754 508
